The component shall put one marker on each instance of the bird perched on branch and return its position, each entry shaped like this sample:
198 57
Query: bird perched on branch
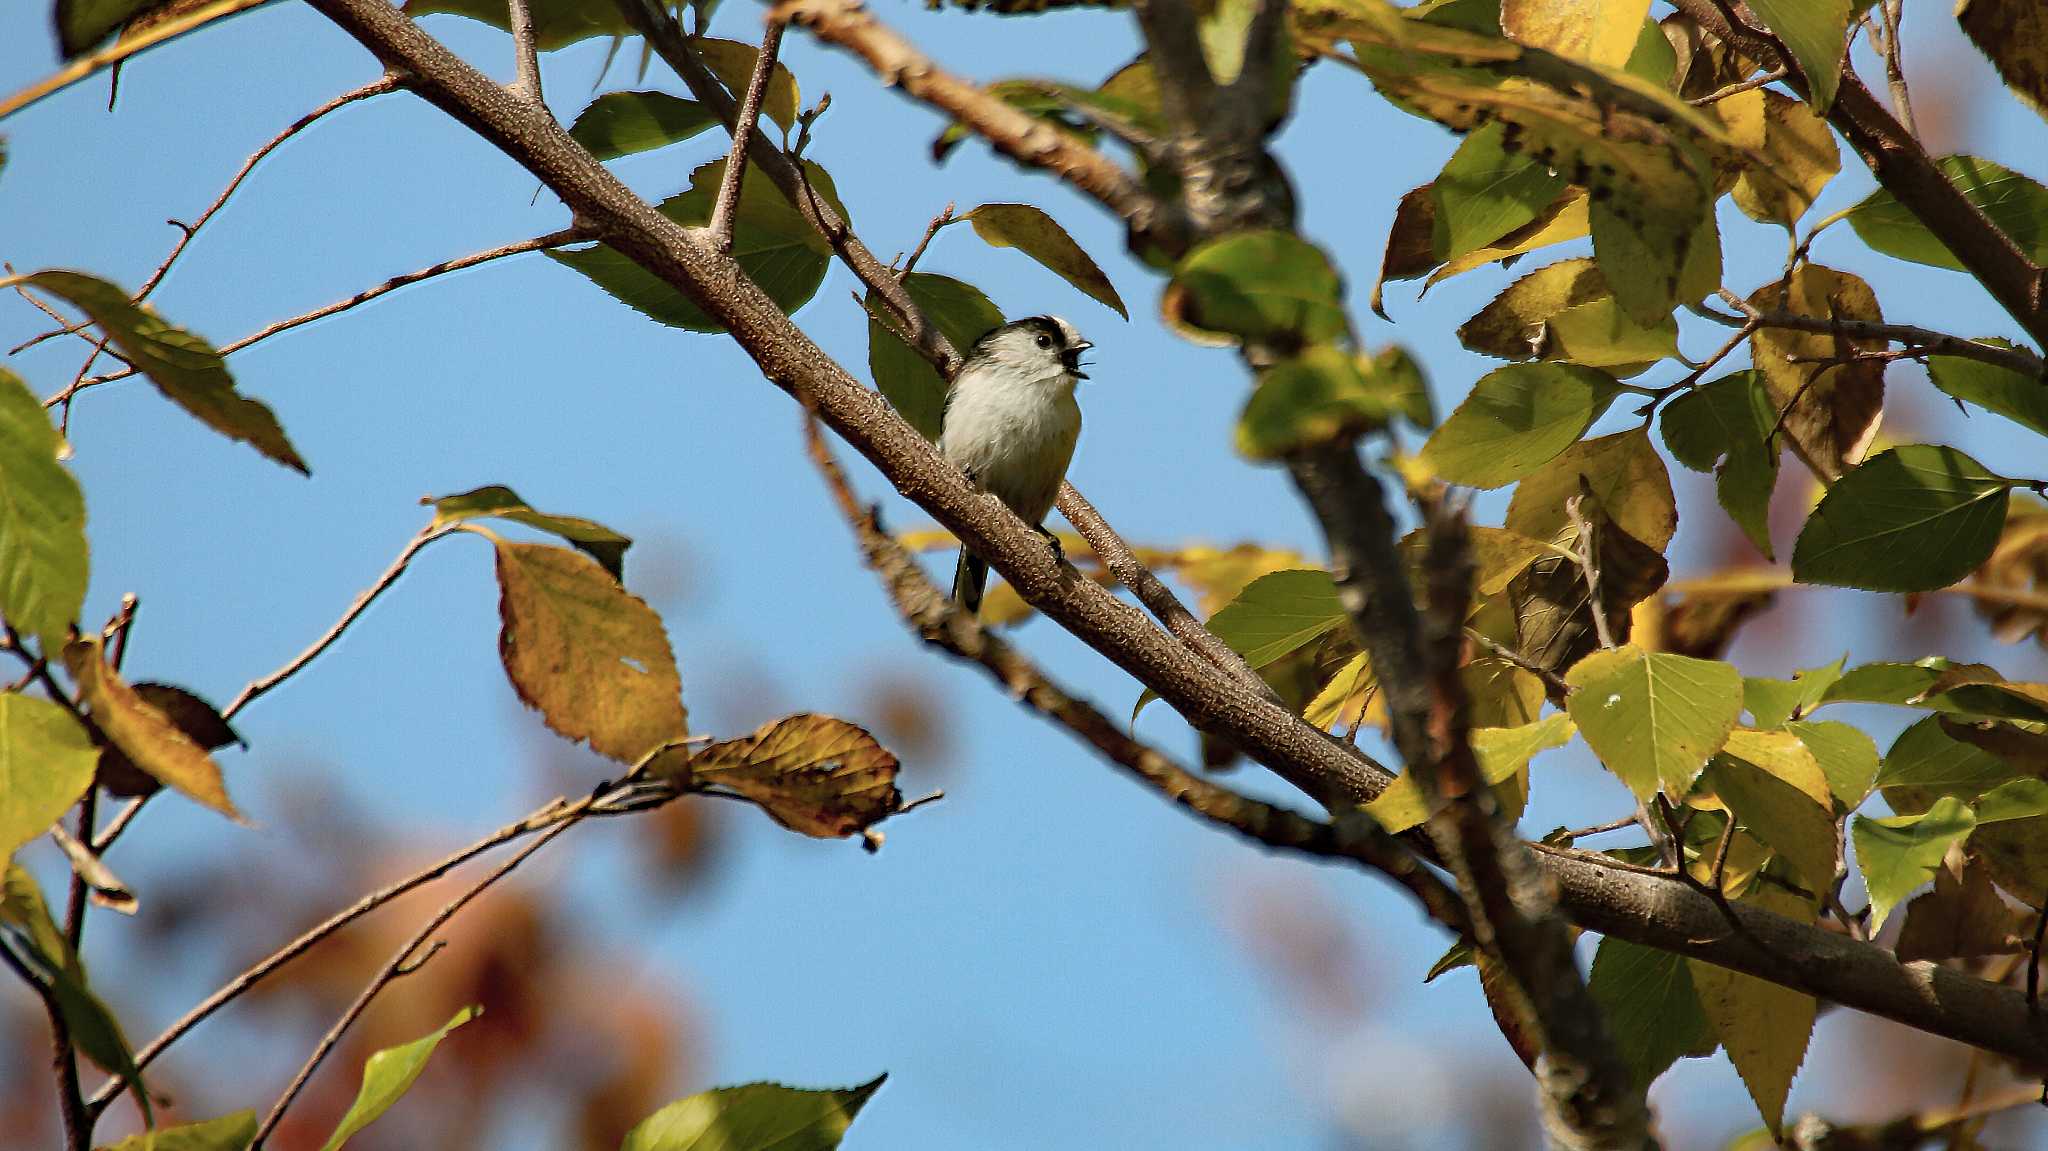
1011 423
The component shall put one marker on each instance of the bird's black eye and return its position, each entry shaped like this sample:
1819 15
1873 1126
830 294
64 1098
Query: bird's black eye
1045 341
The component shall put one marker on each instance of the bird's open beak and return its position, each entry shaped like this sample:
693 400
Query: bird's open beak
1073 358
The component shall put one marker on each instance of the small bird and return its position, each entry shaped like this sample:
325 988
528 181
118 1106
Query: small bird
1011 423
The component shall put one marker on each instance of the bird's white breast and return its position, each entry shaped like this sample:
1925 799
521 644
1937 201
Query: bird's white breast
1015 438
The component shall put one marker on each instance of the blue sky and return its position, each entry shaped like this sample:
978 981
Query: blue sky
1049 958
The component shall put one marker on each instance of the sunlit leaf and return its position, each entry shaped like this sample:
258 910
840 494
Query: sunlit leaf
1484 192
1567 312
1600 31
1502 752
1927 758
496 501
913 386
1031 231
811 773
190 714
1654 718
1515 419
388 1075
1764 1027
46 763
1769 797
1316 396
2017 397
1803 158
1649 278
753 1117
1625 474
1278 614
1912 518
556 23
147 736
590 656
227 1133
183 367
1847 756
1900 853
622 123
43 558
94 1029
733 63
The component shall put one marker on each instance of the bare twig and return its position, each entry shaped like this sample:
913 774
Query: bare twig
1590 568
71 1104
1739 87
525 50
1894 65
743 130
555 239
1923 341
406 958
1498 650
939 221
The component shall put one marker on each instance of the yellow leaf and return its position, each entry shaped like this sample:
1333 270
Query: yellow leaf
1803 158
1600 31
1764 1027
142 732
1627 476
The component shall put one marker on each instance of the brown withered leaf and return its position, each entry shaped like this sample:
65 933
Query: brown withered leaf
1411 243
151 740
2011 590
2014 34
1962 918
590 656
811 773
1835 408
1702 623
1706 63
197 718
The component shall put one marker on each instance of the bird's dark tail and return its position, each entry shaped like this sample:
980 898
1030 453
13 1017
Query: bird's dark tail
969 579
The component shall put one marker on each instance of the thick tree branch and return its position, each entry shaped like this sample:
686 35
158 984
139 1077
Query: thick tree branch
1905 170
940 622
1653 910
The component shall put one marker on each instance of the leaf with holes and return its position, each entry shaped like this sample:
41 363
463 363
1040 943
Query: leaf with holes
814 774
1040 237
590 656
1913 518
1654 718
496 501
183 367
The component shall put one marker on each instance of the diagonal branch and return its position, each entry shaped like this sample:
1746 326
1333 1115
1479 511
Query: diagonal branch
743 131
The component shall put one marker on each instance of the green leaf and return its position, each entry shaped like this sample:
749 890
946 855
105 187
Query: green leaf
2014 34
43 557
1485 192
2018 799
1278 614
622 123
733 63
1815 31
1391 371
1567 312
910 382
753 1117
2017 204
773 244
1913 518
1259 285
1649 280
183 367
46 763
388 1075
2011 394
590 656
1316 396
496 501
81 24
1651 1008
1652 717
1624 473
1038 236
1926 758
227 1133
1459 955
147 736
813 774
1772 702
1847 757
93 1027
1900 853
1516 418
1725 427
1502 752
1765 1028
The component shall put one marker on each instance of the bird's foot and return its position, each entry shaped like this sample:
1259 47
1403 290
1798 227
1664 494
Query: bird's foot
1059 553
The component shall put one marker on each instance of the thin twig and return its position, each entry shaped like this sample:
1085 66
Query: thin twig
525 51
1894 65
555 239
1591 569
1576 834
401 961
2015 359
1739 87
257 688
727 205
77 1122
939 221
1500 650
